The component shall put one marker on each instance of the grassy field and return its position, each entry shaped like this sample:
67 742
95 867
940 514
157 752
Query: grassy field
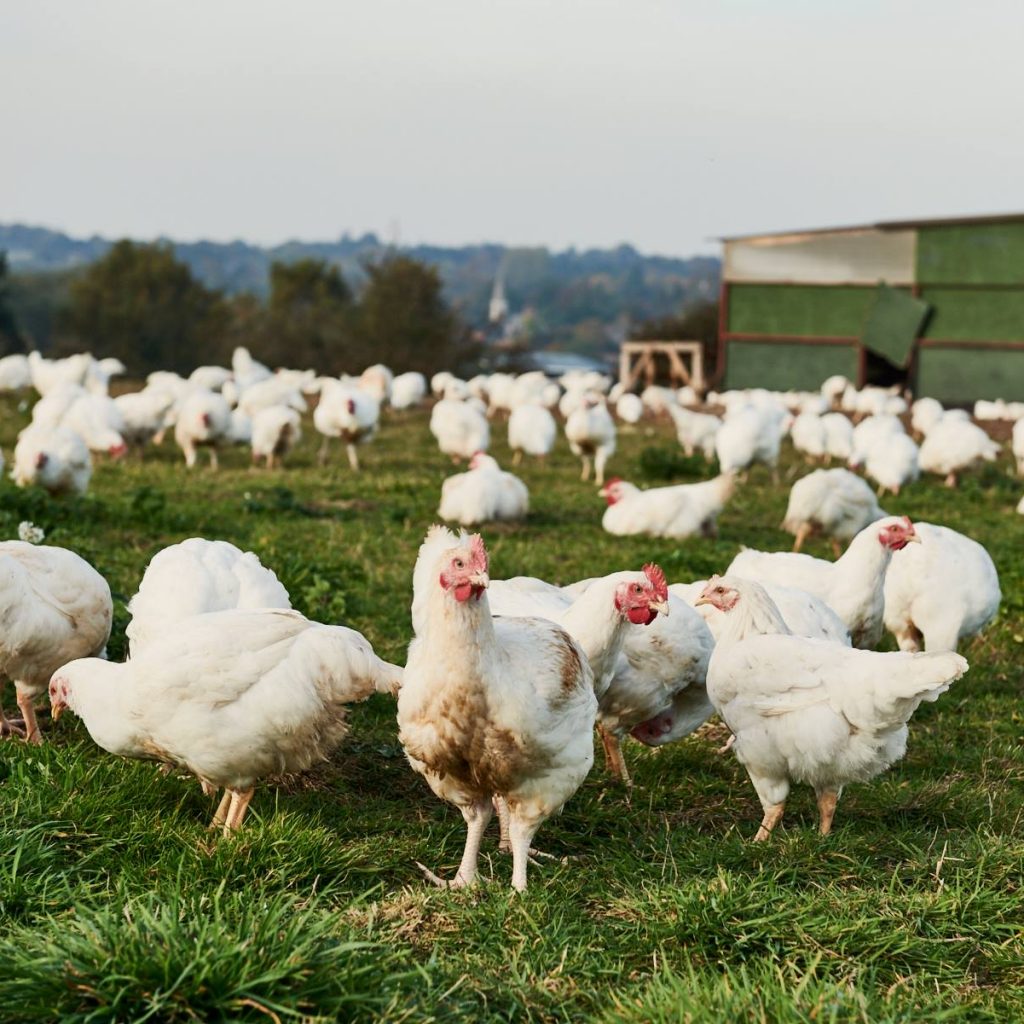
117 904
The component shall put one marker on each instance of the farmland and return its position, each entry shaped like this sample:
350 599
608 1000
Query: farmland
117 904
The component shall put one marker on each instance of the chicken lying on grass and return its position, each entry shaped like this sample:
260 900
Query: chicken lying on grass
54 607
491 710
808 710
232 697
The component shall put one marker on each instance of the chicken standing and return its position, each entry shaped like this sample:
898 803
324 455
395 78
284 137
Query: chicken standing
940 591
590 431
232 697
954 446
55 607
460 429
834 502
852 586
531 431
680 511
204 421
491 708
808 710
348 413
276 430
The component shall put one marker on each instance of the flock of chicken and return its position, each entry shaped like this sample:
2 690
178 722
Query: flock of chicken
506 680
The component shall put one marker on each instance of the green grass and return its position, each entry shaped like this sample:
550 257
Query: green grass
117 904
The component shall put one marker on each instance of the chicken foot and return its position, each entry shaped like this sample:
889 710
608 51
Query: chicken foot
477 816
827 800
28 714
220 816
505 842
772 816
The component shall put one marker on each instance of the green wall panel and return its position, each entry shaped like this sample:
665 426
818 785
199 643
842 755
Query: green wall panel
802 310
964 375
975 314
782 367
971 254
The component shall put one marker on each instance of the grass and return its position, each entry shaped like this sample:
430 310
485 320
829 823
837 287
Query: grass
116 904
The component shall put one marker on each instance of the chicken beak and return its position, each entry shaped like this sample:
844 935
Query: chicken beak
702 600
661 607
913 538
480 579
57 709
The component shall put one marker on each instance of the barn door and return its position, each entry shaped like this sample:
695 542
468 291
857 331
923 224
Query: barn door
894 322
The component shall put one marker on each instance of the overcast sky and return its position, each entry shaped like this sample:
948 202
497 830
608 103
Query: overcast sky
557 122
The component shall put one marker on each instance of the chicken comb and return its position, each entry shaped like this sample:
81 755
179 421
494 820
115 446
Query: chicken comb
907 522
478 552
611 482
657 577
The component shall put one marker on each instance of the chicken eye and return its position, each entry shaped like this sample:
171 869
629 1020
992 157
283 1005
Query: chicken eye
459 563
637 588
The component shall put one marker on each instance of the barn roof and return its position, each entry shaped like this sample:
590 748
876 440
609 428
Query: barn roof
886 225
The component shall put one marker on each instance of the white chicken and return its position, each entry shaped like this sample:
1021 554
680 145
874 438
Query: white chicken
55 607
276 430
924 414
808 710
491 710
1017 444
869 432
195 577
892 462
232 697
834 502
98 422
14 373
348 413
952 447
751 434
485 493
460 429
809 436
246 370
54 458
852 586
377 381
803 613
408 390
531 431
591 434
204 421
695 430
144 414
683 510
838 436
629 408
281 389
940 591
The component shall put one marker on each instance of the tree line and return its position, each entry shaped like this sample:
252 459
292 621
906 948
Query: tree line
144 306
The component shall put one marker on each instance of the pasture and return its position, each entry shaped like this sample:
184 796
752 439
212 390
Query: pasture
117 904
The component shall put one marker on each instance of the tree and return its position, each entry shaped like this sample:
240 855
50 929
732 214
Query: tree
698 323
309 318
404 320
10 337
140 304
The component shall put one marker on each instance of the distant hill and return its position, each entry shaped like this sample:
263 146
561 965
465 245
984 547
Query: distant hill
577 299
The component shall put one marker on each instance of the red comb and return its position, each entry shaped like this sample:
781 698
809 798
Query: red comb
478 552
907 522
657 577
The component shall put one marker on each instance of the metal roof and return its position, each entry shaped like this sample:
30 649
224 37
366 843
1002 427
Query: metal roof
886 225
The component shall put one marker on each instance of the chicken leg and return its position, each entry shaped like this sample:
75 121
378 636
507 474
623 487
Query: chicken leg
321 455
28 714
353 457
220 816
10 726
521 833
477 816
802 533
504 822
613 759
585 475
772 816
827 800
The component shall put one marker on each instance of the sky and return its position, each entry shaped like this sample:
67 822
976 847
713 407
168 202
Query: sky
536 122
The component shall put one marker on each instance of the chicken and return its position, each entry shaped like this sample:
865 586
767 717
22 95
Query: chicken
408 390
377 381
15 374
834 502
485 494
924 414
940 591
852 586
808 710
98 422
279 390
1017 443
629 408
208 378
695 430
680 511
952 447
144 414
232 697
196 577
491 710
204 421
48 374
874 429
809 436
751 434
460 429
838 436
55 607
348 413
658 400
276 430
246 370
591 434
892 462
531 430
803 613
55 459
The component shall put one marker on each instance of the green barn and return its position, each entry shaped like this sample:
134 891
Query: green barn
937 305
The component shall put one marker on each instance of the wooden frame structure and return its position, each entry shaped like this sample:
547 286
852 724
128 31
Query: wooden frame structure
640 358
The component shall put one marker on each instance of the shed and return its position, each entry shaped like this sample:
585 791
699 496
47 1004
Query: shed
937 305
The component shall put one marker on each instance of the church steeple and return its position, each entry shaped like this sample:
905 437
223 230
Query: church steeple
497 310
